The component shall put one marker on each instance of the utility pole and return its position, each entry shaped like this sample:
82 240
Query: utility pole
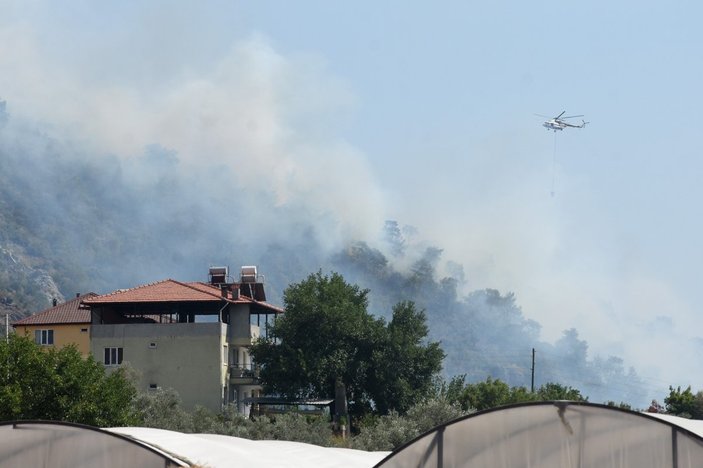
532 387
341 416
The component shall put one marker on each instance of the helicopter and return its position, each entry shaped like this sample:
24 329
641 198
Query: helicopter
558 122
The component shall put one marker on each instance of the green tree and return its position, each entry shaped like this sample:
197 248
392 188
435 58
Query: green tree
621 405
327 335
554 391
521 394
385 433
494 392
403 366
431 413
484 395
61 385
163 409
684 403
394 237
452 390
392 430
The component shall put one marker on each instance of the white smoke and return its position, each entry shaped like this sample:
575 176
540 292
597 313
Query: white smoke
268 122
253 115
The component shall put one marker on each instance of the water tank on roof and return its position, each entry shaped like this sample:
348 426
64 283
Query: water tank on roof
248 274
218 275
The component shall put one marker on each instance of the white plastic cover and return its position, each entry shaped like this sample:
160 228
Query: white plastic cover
220 451
64 445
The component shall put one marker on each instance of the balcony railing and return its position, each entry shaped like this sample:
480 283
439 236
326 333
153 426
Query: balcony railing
244 371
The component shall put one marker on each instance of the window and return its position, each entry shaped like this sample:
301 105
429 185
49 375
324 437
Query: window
84 330
44 337
113 356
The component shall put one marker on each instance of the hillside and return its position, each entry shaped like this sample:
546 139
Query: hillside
73 221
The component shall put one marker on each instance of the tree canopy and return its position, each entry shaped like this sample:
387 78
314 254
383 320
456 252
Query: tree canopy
491 393
327 335
61 385
684 403
402 366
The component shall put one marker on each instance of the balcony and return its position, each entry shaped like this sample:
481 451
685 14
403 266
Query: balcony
247 374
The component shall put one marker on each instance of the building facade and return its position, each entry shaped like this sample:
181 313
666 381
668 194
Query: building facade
60 325
193 337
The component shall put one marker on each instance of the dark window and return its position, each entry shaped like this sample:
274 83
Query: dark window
44 337
112 356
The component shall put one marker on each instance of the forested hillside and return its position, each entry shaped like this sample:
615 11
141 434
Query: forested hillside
77 221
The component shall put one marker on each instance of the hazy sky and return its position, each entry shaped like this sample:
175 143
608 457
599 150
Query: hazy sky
422 113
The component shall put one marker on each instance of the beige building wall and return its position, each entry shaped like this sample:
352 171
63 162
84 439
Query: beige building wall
65 334
189 357
239 325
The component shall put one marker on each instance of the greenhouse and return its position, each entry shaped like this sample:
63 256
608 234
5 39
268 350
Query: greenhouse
558 434
40 444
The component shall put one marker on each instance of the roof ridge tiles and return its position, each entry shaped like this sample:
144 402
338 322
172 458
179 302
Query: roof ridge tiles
141 286
154 283
206 292
58 313
212 293
68 302
171 290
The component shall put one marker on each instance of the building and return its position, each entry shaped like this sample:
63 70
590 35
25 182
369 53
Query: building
193 337
60 325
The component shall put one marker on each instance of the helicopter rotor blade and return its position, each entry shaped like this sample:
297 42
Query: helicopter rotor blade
545 116
571 116
559 116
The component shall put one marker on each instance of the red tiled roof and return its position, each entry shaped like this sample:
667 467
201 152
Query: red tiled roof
270 307
68 312
205 287
163 291
174 291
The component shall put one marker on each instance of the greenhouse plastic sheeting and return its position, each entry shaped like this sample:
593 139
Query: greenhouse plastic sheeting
556 434
220 451
38 444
